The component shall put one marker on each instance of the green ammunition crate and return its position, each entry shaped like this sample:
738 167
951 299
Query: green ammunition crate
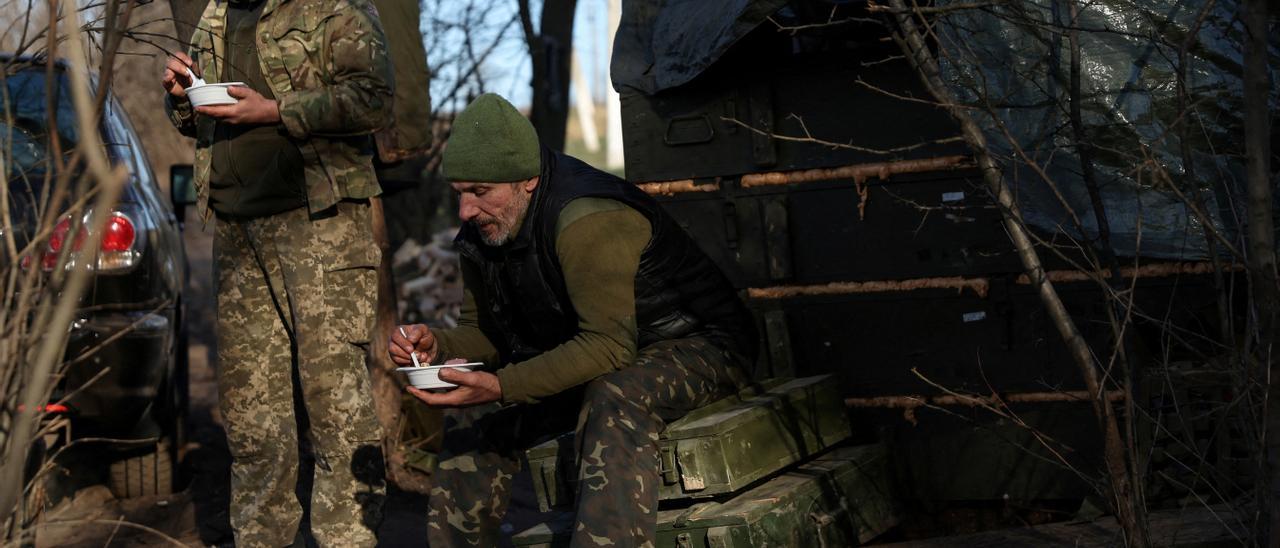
723 447
842 498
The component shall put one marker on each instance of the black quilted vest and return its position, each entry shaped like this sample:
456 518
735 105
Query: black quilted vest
679 291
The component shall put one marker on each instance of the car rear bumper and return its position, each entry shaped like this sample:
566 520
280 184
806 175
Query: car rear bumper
119 361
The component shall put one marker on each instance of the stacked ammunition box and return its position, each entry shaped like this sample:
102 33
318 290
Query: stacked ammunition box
761 468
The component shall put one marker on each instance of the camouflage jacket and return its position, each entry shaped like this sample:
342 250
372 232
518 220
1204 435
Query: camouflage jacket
326 62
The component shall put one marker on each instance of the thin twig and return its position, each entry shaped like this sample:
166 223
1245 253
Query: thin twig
809 138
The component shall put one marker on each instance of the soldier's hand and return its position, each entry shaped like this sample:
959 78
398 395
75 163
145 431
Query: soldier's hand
474 388
253 108
175 79
415 338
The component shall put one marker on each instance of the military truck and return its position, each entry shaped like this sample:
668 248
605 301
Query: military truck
800 149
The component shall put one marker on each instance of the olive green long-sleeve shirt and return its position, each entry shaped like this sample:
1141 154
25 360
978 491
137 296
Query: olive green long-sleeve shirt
598 243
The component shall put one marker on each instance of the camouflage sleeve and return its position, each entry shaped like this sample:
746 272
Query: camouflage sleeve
181 114
467 341
359 99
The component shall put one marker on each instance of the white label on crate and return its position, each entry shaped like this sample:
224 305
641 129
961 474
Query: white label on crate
974 316
952 196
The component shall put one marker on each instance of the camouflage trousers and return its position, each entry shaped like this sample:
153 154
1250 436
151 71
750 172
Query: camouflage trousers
296 298
619 417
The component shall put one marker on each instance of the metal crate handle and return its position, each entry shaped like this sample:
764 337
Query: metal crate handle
700 131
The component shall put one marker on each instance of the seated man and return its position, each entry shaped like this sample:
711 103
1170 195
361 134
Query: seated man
591 304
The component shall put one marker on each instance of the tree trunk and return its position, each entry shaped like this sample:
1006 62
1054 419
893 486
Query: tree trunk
1262 250
550 51
385 385
409 135
613 103
186 15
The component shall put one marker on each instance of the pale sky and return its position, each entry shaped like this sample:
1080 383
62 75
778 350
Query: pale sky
506 71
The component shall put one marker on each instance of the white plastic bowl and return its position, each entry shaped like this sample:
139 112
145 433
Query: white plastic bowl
212 94
427 377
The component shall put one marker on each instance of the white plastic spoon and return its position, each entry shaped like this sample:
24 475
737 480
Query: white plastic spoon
195 81
412 355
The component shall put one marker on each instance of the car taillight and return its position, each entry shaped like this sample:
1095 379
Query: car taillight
117 251
56 241
119 233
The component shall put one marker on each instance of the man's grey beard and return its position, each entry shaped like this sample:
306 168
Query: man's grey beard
508 222
498 241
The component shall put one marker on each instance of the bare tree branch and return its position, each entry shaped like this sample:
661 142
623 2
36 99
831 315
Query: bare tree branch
1130 515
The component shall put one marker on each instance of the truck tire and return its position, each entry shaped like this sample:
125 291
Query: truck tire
143 475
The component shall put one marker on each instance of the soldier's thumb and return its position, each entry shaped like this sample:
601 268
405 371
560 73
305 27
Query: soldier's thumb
450 374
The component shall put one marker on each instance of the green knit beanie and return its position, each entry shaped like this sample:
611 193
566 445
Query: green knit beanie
491 142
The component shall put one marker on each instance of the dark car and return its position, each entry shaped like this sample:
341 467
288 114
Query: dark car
125 384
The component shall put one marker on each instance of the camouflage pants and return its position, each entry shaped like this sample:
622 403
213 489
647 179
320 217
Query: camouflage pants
298 292
619 417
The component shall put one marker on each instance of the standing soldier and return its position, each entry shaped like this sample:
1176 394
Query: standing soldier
287 171
591 307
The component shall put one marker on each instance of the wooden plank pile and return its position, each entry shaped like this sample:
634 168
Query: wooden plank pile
428 281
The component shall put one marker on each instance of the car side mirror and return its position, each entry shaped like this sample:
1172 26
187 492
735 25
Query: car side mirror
182 185
182 189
